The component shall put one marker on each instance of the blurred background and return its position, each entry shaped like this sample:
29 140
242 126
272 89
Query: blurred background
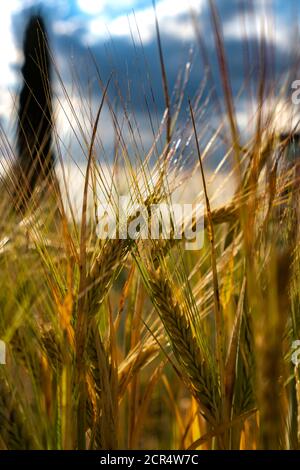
119 37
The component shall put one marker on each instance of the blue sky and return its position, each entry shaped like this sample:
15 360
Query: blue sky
112 32
74 25
92 22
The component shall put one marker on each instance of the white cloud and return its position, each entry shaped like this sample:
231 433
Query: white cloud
169 14
8 53
92 7
257 25
69 27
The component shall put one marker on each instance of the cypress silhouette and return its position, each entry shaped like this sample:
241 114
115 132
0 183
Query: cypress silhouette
35 156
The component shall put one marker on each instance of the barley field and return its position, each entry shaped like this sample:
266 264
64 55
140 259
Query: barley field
140 342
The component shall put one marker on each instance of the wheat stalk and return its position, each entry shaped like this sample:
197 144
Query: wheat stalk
202 379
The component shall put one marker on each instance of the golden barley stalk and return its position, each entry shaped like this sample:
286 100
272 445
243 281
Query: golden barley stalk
201 378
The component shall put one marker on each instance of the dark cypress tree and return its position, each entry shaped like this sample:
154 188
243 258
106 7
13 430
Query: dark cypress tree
35 156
